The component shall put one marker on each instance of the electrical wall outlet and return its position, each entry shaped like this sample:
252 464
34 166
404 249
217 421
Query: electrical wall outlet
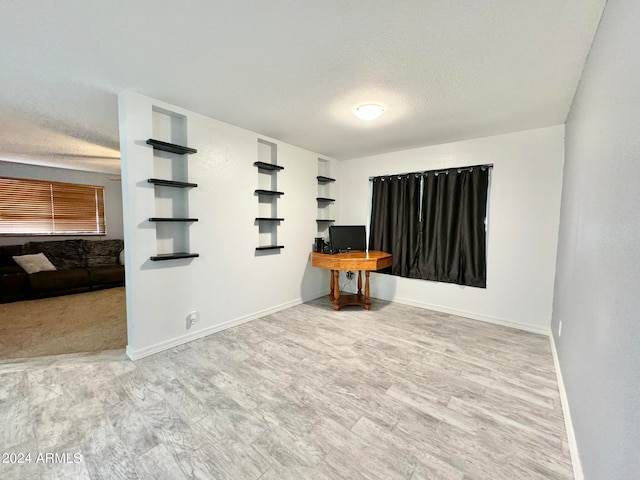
560 328
192 318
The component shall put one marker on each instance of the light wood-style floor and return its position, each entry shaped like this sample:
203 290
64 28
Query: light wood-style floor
307 393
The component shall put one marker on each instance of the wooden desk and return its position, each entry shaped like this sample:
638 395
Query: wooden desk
351 261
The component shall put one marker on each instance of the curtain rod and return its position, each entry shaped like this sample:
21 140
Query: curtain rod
442 170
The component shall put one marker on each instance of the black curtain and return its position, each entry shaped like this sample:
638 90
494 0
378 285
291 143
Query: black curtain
440 237
395 206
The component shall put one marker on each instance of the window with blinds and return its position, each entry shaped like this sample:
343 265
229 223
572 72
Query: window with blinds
36 207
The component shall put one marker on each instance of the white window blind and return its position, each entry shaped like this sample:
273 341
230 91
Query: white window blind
36 207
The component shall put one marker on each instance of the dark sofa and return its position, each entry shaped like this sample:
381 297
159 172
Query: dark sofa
82 265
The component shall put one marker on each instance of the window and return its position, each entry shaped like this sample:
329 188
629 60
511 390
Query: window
36 207
433 223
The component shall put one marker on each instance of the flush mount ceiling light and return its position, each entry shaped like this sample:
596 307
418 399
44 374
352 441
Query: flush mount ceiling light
369 111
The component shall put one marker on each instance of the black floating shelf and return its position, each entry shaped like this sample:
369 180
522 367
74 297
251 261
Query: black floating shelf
325 199
172 219
267 166
268 192
268 219
324 220
323 179
171 183
270 247
173 256
170 147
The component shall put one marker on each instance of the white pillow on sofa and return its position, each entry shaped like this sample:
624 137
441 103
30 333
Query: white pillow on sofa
34 263
121 257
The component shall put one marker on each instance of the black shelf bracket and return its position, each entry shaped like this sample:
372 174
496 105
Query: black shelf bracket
323 179
172 219
268 192
173 256
320 220
269 219
170 147
325 199
270 247
267 166
171 183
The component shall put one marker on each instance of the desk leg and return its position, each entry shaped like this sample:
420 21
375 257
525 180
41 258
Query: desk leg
331 282
359 284
367 302
336 289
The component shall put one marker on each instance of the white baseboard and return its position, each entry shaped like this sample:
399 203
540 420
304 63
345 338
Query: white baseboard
189 337
474 316
571 434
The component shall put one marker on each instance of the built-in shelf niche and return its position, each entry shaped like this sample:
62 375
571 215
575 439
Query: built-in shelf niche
268 194
325 198
171 185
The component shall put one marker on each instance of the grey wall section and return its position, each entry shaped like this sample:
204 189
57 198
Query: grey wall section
597 288
112 193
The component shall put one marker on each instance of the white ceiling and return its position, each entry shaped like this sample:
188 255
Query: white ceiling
444 70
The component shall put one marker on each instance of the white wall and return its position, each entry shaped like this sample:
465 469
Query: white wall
228 284
523 224
112 193
598 267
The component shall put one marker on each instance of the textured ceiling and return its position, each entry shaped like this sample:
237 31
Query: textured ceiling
444 70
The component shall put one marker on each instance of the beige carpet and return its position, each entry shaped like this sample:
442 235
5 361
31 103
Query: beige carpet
84 322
